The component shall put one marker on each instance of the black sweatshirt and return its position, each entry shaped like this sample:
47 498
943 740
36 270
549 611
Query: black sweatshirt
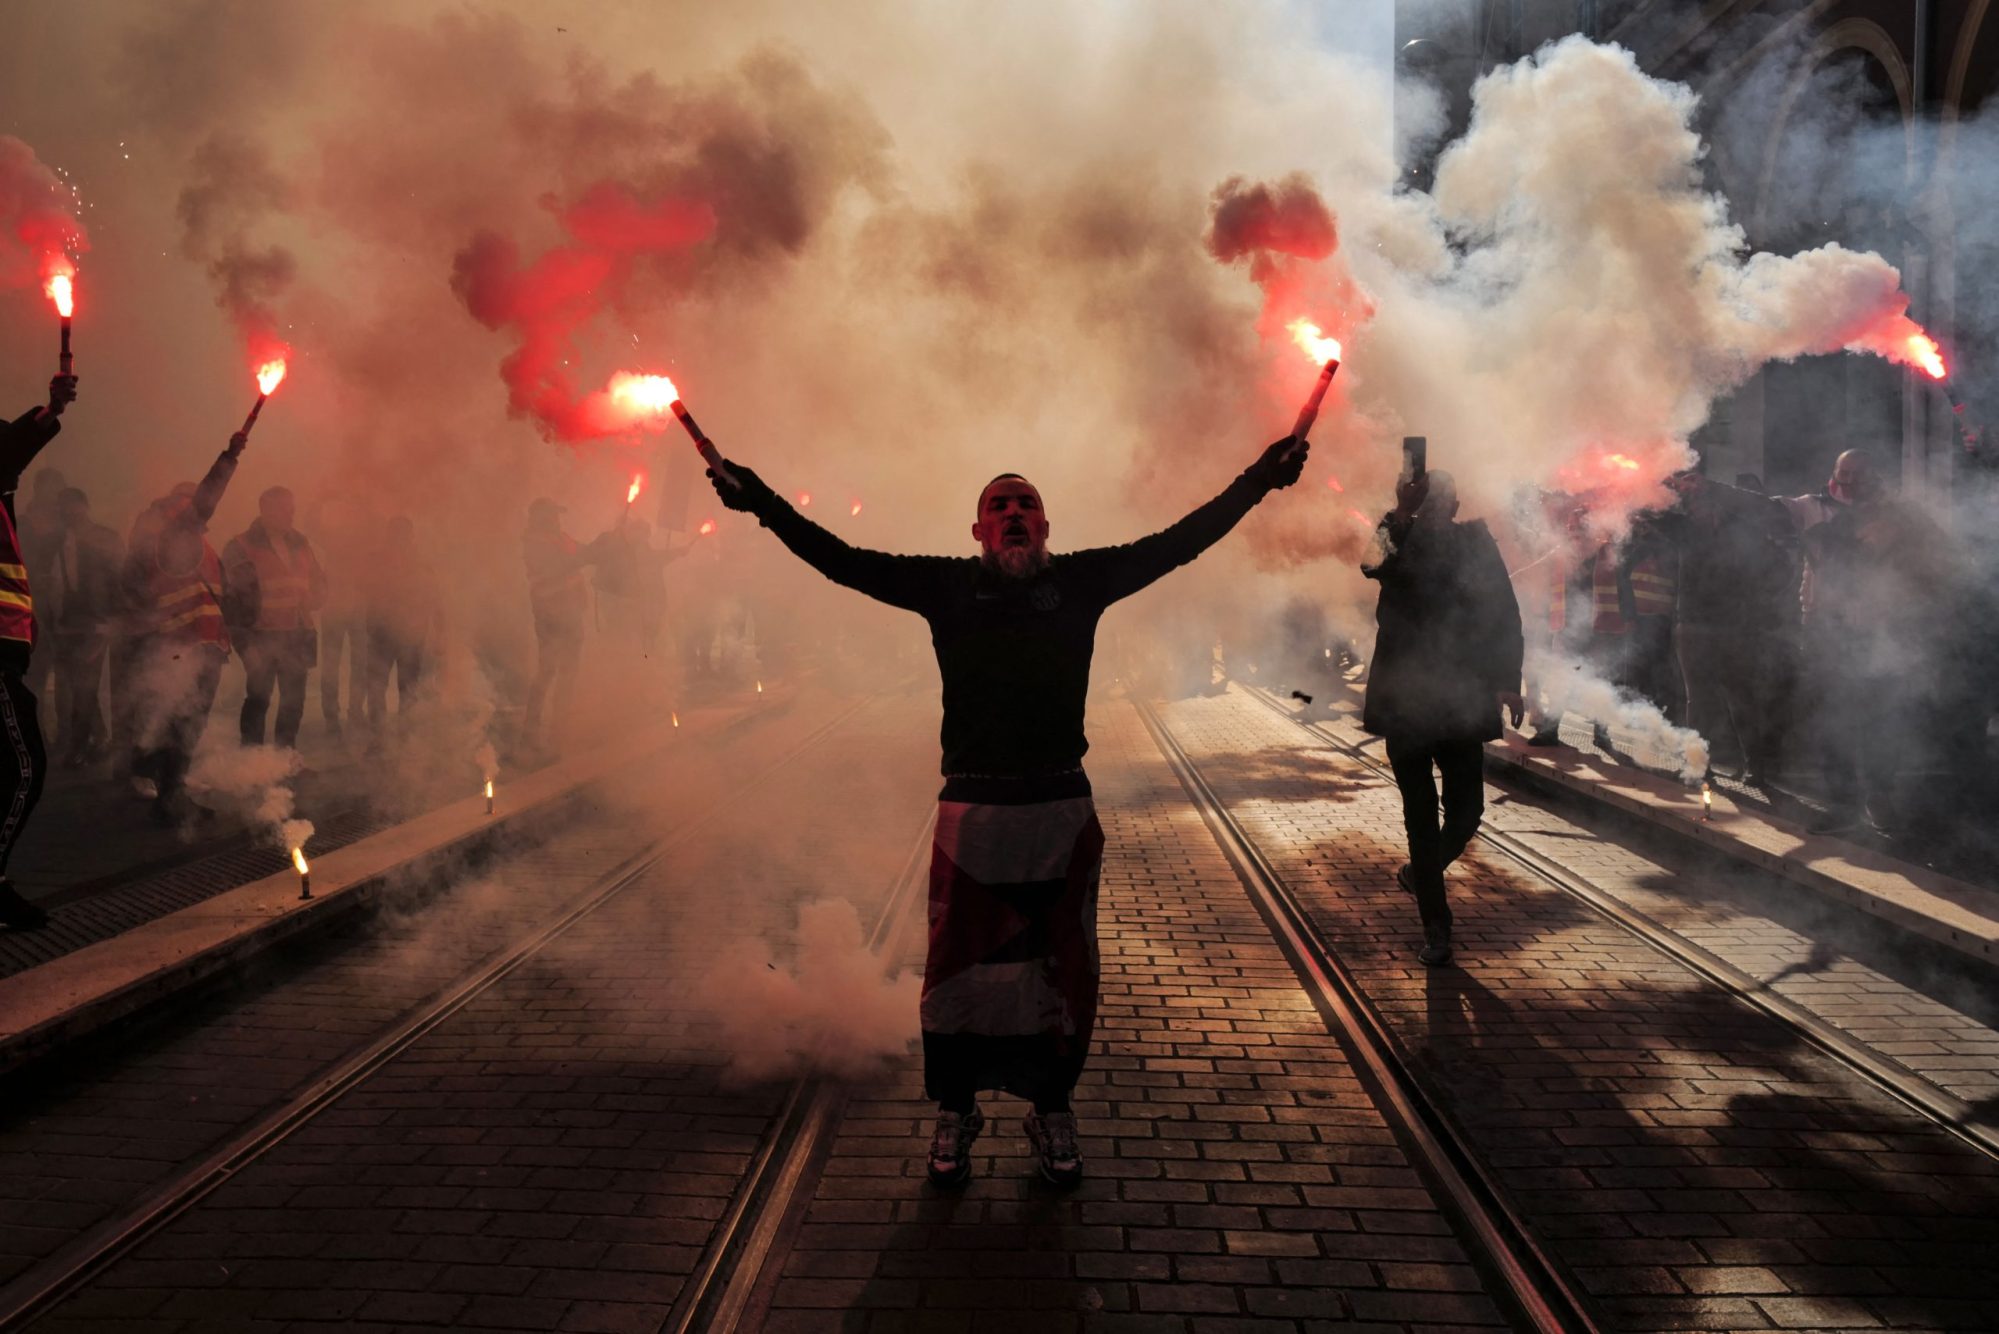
1014 653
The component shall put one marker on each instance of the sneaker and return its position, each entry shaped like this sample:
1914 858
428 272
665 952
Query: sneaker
1601 736
1054 1139
1436 951
17 912
951 1147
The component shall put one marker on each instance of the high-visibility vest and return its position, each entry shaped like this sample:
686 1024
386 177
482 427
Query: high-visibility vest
284 587
183 599
556 587
1603 595
1558 592
17 604
1653 587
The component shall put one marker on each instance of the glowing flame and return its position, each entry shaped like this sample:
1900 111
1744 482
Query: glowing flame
298 861
855 509
643 395
1925 355
63 292
638 485
1361 519
1624 461
1310 337
707 527
489 789
270 375
760 687
676 718
804 499
1334 483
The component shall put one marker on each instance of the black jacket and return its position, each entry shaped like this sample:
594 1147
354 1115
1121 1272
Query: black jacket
1449 634
1014 654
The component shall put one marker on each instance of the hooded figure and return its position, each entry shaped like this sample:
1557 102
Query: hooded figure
1447 655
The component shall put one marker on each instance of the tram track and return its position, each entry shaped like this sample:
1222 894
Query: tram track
40 1289
1937 1105
1527 1278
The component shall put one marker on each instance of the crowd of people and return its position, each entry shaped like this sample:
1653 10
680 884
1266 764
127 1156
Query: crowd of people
1829 640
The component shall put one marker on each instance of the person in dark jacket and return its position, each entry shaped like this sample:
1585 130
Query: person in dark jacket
273 586
85 603
1010 980
26 766
1447 656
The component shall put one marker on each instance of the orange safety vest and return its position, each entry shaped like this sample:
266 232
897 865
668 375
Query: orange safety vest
1653 589
284 588
185 603
17 604
1603 595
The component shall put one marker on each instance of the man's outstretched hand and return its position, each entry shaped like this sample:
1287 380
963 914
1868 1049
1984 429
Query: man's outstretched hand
748 496
1514 705
62 393
1283 463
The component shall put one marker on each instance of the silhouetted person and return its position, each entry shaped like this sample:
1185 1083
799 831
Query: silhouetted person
404 608
1010 980
559 597
26 763
174 577
85 606
1447 657
272 586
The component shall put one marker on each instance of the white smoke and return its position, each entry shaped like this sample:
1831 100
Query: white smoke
1648 737
830 1010
253 783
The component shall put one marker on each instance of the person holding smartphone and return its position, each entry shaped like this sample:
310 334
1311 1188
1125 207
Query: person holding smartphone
1447 659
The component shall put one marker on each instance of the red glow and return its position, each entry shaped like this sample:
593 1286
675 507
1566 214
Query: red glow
643 395
1313 340
62 291
804 499
270 375
1361 519
1926 355
707 527
638 485
855 511
1334 483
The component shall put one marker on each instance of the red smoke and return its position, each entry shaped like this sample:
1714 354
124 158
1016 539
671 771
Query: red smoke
1262 223
38 225
544 303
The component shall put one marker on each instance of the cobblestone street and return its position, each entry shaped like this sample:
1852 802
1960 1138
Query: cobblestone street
569 1149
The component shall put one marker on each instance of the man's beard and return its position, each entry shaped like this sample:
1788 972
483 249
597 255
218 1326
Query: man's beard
1017 562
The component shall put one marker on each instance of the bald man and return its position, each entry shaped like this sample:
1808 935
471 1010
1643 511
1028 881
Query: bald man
1010 980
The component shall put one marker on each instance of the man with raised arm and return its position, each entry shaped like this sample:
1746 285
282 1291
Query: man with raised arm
1010 980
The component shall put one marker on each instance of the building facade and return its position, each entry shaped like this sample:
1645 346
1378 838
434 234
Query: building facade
1848 120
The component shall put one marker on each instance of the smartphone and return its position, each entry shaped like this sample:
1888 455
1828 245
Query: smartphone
1415 456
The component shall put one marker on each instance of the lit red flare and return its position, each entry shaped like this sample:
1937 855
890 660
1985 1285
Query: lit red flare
638 485
647 399
1901 340
1310 337
61 288
855 509
804 499
707 527
304 870
270 375
1325 351
1334 483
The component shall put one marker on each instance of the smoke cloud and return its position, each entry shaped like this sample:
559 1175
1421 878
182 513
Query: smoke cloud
232 189
830 1009
38 223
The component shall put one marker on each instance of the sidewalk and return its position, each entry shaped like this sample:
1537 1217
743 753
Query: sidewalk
82 991
1927 903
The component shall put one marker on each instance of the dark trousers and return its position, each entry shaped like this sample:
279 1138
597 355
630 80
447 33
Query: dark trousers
390 654
80 661
559 655
24 763
1432 848
177 684
275 661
